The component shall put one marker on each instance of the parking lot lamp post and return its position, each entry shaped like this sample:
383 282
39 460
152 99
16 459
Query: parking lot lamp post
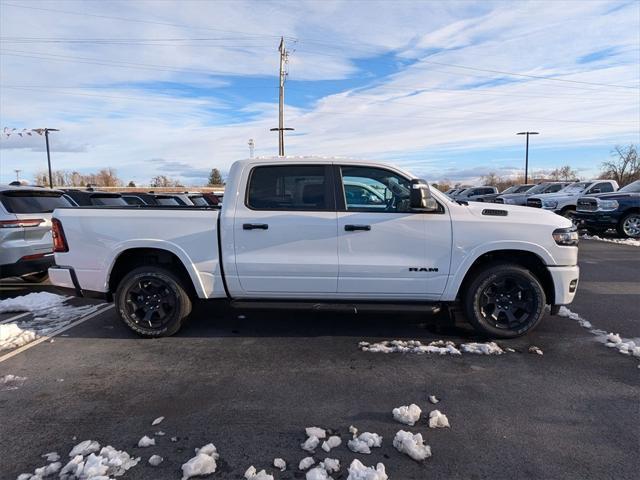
46 137
526 155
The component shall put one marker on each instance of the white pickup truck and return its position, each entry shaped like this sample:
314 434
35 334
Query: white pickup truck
321 233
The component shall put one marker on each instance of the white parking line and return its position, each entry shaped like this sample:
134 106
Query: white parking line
54 333
13 319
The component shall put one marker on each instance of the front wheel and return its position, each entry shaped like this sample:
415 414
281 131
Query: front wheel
629 226
504 301
152 301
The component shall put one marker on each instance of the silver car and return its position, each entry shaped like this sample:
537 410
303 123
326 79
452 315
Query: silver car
26 247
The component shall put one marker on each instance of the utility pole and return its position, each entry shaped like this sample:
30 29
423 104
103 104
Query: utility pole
46 137
526 155
17 174
252 145
284 58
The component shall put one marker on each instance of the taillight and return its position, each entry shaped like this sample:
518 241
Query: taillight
59 240
29 222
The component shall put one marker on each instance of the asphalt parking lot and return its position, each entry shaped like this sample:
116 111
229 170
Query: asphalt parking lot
251 381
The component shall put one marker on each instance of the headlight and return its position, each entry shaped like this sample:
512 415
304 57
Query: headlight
607 205
549 204
567 237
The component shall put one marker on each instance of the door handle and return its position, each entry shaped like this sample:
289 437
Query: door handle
353 228
255 226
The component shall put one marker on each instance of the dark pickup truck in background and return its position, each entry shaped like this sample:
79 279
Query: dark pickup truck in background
619 210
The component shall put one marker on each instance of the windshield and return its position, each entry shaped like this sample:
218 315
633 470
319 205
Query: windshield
576 187
33 201
108 200
631 188
167 201
523 188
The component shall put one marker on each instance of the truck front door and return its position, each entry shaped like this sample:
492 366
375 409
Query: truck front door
386 250
285 231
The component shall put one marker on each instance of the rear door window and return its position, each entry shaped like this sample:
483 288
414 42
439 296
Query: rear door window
199 201
30 201
107 200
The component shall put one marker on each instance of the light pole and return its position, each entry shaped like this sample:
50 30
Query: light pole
526 155
17 170
46 137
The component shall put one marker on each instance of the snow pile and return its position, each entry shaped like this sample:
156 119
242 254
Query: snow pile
364 442
536 350
32 302
411 445
305 463
252 474
280 463
157 421
316 432
155 460
357 471
310 444
146 442
331 465
622 241
317 473
565 312
433 399
108 463
51 456
488 348
44 322
438 420
204 463
409 415
439 347
12 382
331 442
624 346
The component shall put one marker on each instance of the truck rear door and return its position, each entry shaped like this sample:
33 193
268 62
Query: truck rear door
285 231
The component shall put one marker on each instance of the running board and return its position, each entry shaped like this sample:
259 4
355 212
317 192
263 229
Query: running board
431 308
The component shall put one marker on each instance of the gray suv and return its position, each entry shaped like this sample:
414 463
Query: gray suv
472 193
521 198
25 230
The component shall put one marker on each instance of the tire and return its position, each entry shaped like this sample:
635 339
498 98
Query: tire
490 300
629 226
153 301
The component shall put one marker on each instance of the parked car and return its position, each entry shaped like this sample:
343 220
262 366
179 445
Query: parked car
289 240
181 199
93 198
472 193
521 198
619 210
212 198
454 191
512 189
25 230
564 202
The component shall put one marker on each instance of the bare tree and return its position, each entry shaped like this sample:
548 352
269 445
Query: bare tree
164 181
565 173
623 167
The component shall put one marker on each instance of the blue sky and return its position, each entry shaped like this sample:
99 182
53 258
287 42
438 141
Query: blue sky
160 87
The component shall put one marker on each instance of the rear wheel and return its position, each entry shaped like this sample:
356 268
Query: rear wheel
629 226
153 301
504 301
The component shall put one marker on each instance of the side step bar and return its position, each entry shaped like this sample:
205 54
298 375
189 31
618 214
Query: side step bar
431 308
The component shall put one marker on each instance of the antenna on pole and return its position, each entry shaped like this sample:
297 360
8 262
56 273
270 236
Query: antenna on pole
252 145
284 59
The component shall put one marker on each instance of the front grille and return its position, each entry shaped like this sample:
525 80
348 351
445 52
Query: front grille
587 205
534 202
498 200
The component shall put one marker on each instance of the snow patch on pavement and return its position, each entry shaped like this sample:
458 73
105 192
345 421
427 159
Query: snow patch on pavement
155 460
310 444
252 474
411 445
409 415
280 463
316 432
11 382
84 448
621 241
317 473
87 465
157 421
364 442
331 465
487 348
357 471
204 463
439 347
32 302
305 463
433 399
145 442
438 420
332 442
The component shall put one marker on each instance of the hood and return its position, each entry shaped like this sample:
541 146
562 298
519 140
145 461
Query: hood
518 214
558 195
614 195
512 195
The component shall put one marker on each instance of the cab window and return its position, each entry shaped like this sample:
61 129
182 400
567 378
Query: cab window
368 189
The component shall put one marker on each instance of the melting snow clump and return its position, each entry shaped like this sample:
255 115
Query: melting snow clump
364 442
280 463
85 448
433 399
204 463
332 442
310 444
412 445
155 460
438 420
305 463
565 312
31 302
439 347
316 432
357 471
407 415
488 348
330 465
12 336
157 421
623 241
252 474
146 442
108 463
536 350
317 473
624 346
51 456
12 382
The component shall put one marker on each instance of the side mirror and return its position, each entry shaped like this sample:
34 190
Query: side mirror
420 198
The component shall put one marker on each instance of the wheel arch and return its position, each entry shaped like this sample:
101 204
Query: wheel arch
130 258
